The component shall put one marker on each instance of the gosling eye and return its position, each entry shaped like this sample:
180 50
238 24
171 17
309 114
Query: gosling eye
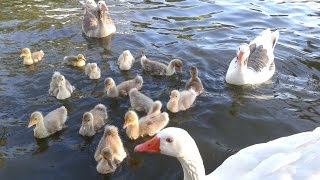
169 140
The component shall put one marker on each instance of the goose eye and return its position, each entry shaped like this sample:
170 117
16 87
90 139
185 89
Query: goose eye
169 140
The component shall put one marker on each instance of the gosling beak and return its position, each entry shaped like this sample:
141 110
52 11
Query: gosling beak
21 55
125 126
30 124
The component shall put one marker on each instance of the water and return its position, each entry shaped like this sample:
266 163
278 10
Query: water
202 33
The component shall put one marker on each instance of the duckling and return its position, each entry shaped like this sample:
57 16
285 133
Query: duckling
139 101
77 61
50 124
107 163
93 71
181 101
157 68
123 88
148 125
111 140
60 87
194 81
93 120
125 60
31 58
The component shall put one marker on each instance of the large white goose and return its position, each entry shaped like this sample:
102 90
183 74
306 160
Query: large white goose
295 157
254 63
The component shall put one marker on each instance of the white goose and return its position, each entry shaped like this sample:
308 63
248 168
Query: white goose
254 63
295 157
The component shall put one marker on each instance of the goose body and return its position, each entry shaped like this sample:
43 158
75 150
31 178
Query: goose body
194 81
50 124
181 101
31 58
148 125
296 157
110 151
93 120
93 71
139 101
97 22
77 61
254 63
157 68
122 89
60 87
125 60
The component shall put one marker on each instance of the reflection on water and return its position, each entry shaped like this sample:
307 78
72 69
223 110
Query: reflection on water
202 33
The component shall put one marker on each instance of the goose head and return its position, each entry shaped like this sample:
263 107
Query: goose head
35 118
178 65
193 71
174 96
170 141
102 6
81 57
242 54
25 52
109 83
130 118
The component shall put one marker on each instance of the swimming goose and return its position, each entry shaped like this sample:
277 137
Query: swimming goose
181 101
93 120
50 124
254 63
139 101
125 60
148 125
31 58
109 145
77 61
97 23
123 88
60 87
292 157
157 68
93 71
194 82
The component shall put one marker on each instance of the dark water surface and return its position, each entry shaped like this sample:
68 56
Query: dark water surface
202 33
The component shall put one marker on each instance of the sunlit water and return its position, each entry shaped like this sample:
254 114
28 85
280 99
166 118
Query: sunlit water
202 33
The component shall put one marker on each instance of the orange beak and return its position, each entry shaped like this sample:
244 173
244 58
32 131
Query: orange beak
151 146
240 58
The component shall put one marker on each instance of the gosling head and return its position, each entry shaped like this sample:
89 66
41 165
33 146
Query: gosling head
87 117
61 81
93 66
157 105
242 54
25 52
174 96
193 71
81 57
109 83
178 65
111 131
35 118
130 118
